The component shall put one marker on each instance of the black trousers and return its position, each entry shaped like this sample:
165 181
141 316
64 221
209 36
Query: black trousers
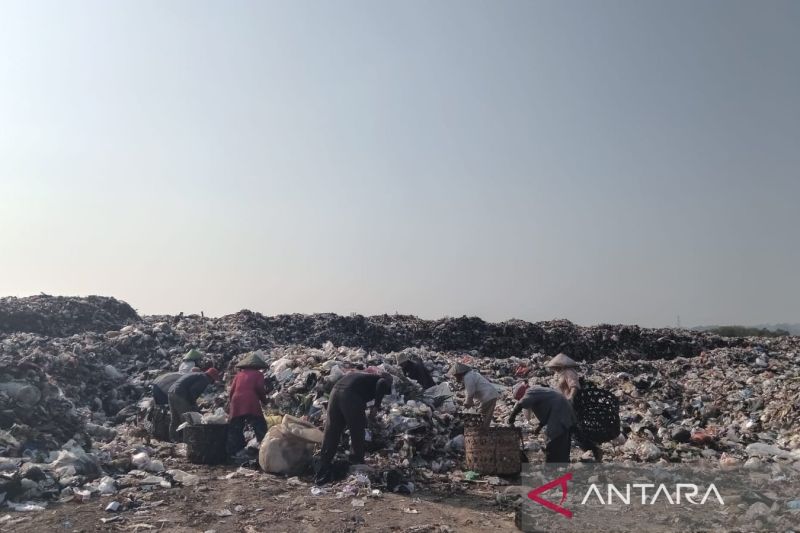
236 427
557 449
345 411
159 396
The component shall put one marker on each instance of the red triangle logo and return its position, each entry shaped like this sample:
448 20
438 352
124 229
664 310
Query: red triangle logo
560 482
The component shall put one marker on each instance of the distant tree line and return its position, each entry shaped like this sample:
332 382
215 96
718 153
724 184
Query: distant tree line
744 331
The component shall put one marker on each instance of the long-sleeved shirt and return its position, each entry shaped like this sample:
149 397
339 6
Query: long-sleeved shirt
247 393
551 408
478 388
417 371
365 386
190 386
161 386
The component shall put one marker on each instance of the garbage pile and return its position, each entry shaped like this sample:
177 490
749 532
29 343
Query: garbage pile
388 333
59 316
69 404
229 335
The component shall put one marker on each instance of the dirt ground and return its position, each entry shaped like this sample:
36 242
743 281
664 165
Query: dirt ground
259 502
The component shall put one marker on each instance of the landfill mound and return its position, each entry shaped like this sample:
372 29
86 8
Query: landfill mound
69 419
59 316
387 333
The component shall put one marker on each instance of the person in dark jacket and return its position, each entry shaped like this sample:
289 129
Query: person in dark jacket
161 386
346 406
415 370
184 393
554 411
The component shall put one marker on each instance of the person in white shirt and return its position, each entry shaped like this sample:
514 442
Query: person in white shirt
479 389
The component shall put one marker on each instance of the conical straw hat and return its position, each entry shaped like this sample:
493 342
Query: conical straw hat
561 360
251 360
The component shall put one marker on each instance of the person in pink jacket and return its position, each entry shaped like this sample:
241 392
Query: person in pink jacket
247 393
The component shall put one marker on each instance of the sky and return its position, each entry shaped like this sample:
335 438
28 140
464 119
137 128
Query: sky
605 162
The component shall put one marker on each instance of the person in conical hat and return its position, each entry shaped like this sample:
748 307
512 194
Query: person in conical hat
190 360
567 378
562 360
245 398
477 388
251 360
568 382
415 370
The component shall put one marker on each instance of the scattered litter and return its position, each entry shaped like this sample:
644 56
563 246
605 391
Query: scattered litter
358 502
27 507
113 507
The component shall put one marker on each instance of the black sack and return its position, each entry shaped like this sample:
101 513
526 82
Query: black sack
597 411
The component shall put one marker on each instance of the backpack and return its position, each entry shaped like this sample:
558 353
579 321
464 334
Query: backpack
597 411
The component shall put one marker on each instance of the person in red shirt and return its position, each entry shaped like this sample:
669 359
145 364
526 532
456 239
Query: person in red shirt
247 393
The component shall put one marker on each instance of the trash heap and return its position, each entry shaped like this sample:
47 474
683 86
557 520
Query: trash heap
390 333
59 316
72 371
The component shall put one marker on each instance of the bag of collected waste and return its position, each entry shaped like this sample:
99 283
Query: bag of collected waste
289 447
597 411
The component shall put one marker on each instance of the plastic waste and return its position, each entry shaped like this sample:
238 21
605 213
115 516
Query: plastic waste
336 374
289 447
24 394
113 507
217 417
184 478
72 460
107 486
112 373
26 507
142 461
761 449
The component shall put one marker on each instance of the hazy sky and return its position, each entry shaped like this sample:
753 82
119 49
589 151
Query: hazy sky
598 161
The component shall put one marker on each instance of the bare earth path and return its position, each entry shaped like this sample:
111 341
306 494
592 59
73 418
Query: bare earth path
274 504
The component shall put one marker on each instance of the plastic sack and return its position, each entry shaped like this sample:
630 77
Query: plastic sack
289 447
72 460
217 417
107 486
25 394
184 478
26 507
439 395
336 374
